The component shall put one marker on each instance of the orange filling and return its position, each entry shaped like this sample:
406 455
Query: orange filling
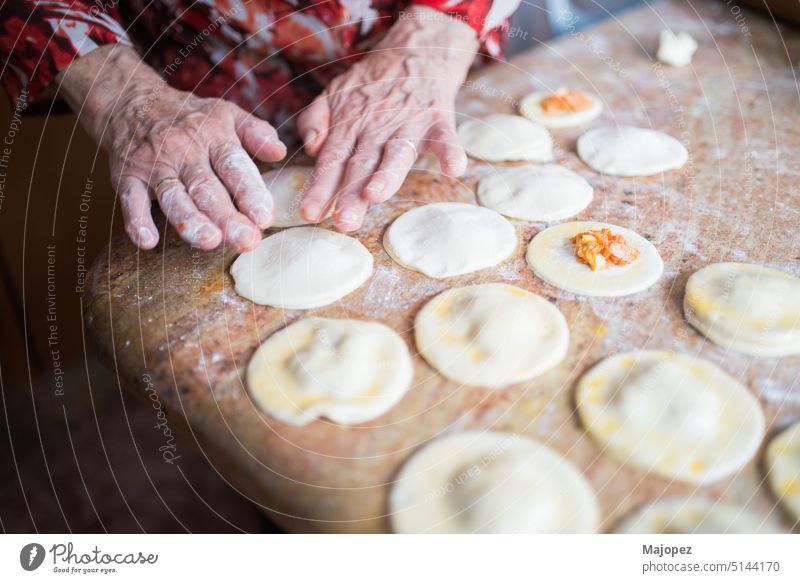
298 182
601 249
565 101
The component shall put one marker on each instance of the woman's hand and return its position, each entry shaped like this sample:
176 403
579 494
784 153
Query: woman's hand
190 153
368 124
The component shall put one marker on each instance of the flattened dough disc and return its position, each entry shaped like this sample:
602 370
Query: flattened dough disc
491 335
287 186
545 192
694 516
671 414
551 256
349 371
301 268
446 239
484 482
748 308
783 468
630 151
500 137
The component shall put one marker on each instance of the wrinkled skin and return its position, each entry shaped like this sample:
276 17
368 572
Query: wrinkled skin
195 155
206 144
401 92
190 153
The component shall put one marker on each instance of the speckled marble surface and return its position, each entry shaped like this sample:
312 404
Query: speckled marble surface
172 313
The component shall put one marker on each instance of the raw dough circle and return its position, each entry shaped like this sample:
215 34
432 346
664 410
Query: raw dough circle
349 371
530 107
747 308
300 268
630 151
694 516
500 137
445 239
287 186
783 468
551 257
491 335
674 415
535 193
484 482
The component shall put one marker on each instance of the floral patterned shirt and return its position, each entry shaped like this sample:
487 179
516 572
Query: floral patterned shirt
269 56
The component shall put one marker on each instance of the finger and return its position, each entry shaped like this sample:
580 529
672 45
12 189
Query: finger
350 205
242 179
213 200
192 225
314 123
135 203
443 141
259 138
398 157
326 177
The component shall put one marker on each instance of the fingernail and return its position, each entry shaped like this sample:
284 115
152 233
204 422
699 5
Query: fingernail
272 138
377 186
262 215
243 235
204 233
311 211
348 216
456 163
145 237
310 137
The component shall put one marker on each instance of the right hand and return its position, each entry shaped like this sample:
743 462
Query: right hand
190 153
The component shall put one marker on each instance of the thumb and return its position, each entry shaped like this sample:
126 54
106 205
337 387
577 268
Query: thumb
313 124
258 137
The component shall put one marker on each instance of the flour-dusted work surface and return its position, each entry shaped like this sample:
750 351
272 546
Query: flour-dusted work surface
172 313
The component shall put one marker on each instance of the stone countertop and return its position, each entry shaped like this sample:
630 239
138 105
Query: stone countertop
170 324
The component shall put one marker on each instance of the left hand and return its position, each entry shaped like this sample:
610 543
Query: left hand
364 124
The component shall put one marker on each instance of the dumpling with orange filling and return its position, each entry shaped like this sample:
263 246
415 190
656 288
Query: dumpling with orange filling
562 108
594 259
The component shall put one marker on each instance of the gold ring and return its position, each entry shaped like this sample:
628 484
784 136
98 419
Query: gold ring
167 179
